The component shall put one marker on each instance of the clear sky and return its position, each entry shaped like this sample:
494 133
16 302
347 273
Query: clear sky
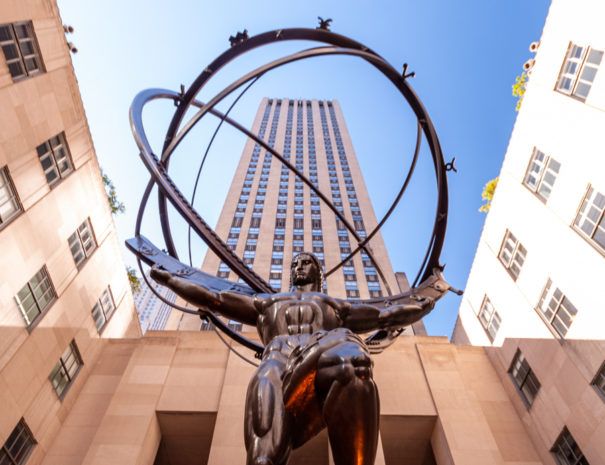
466 55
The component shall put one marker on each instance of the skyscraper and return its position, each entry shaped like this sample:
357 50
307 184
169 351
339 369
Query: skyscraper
270 215
153 313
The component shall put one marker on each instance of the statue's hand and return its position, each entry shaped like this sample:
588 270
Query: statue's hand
159 275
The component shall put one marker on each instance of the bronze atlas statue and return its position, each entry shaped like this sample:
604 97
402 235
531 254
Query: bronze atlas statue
315 368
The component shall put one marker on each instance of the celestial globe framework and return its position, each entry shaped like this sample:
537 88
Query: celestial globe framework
330 43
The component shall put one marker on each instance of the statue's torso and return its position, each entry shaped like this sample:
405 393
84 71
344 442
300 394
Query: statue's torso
295 314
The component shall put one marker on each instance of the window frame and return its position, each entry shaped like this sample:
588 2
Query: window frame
21 56
51 148
581 215
566 437
529 377
598 382
555 312
87 253
72 348
541 175
14 197
41 311
486 325
508 264
20 428
576 79
107 315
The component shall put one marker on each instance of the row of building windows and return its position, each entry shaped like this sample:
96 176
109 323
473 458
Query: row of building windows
554 307
528 386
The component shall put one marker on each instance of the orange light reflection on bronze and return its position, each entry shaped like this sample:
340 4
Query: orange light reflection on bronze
359 444
302 395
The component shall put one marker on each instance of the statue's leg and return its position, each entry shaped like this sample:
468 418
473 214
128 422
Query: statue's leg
266 428
350 401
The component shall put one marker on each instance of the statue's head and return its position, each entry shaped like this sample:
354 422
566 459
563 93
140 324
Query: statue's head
306 269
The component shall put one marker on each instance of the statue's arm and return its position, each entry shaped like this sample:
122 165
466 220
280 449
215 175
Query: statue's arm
363 317
232 305
406 309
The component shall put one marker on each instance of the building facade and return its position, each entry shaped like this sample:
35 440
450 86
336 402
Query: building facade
541 256
62 282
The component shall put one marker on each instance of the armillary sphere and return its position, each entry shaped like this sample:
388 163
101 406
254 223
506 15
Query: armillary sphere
331 43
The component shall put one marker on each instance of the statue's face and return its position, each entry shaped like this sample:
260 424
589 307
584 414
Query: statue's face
304 271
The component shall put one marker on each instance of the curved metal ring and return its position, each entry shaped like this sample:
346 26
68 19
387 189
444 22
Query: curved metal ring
148 158
208 107
435 246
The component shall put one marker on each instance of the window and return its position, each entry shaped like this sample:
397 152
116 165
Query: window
103 309
557 309
20 48
566 450
599 381
512 255
579 70
590 221
524 378
18 446
66 369
489 318
9 203
36 296
55 159
82 243
541 174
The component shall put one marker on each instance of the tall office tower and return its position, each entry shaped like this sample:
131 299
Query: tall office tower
540 261
62 282
153 312
270 215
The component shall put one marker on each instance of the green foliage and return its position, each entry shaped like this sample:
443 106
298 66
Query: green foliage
112 196
133 279
488 194
519 88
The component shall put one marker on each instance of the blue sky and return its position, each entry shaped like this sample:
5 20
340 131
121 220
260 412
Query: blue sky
466 55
